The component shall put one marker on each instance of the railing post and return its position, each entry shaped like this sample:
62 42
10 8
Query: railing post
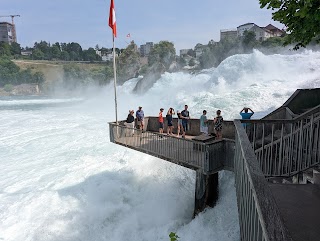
310 142
280 152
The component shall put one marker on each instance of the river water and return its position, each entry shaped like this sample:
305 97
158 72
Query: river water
61 178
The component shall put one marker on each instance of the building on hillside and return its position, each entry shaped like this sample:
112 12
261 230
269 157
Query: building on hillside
184 51
6 32
26 52
228 34
244 27
262 33
146 48
98 52
275 31
107 57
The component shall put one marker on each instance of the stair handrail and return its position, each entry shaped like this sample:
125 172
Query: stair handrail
314 110
256 204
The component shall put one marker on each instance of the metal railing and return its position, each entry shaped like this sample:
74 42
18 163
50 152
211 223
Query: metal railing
181 151
256 204
286 147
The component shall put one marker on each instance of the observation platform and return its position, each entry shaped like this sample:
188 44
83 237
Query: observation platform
283 145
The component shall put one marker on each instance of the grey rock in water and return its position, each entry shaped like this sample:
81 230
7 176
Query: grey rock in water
150 78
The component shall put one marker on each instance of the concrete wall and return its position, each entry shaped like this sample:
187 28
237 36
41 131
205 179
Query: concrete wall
152 124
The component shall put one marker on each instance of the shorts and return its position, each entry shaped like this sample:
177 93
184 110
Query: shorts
160 125
204 129
139 123
179 122
185 126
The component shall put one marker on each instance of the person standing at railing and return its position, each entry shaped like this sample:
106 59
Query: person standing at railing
169 120
130 123
185 117
140 118
160 119
217 121
204 123
246 115
180 126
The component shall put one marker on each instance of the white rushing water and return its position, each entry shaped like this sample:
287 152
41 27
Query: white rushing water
61 178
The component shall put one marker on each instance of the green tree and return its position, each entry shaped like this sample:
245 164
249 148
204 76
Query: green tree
249 40
302 19
55 52
15 48
64 55
44 47
163 53
90 55
8 87
37 54
273 42
74 50
5 49
128 62
38 78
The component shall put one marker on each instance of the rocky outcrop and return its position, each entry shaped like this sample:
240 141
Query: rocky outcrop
151 77
23 89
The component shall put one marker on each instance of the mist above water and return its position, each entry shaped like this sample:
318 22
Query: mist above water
61 178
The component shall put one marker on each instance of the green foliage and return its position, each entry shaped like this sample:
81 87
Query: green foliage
173 236
90 55
8 87
15 49
143 69
163 53
249 41
75 75
302 19
5 49
217 52
273 42
128 62
37 54
10 73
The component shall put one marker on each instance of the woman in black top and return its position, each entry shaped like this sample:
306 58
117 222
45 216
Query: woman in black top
169 120
130 123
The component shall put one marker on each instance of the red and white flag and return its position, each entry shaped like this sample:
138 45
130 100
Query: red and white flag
112 19
128 35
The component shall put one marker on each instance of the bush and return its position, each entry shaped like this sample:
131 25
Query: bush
8 87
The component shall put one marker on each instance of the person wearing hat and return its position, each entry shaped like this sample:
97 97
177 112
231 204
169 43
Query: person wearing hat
160 118
140 117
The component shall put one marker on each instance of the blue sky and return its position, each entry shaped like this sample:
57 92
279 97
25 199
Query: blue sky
183 22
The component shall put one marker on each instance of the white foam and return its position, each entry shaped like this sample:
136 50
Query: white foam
61 178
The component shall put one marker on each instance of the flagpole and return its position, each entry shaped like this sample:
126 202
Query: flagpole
115 79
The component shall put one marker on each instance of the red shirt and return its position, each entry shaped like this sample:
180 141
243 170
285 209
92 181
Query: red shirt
160 117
